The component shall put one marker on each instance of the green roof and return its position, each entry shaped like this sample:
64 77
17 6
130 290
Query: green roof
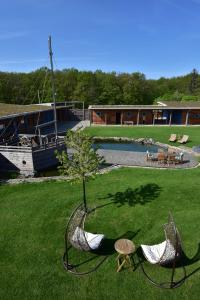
12 109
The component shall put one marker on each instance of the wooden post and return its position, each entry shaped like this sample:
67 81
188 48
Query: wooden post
138 117
106 118
40 139
170 118
90 116
121 118
187 117
53 89
153 118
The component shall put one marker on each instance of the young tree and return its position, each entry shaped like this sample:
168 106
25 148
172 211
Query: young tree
84 161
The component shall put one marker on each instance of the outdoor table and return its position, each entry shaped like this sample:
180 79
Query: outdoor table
125 248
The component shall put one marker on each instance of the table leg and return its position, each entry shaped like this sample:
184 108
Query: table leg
118 260
121 265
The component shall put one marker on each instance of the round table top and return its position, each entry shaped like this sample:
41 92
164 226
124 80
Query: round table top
124 246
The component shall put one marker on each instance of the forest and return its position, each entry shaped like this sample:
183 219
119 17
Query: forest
96 87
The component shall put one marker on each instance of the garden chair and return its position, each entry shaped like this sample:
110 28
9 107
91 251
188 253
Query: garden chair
149 156
171 158
184 139
166 253
179 158
80 239
161 157
172 138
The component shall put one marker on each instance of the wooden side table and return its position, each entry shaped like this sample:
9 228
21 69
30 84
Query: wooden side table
125 248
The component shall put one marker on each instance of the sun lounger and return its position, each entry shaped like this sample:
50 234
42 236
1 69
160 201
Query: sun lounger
184 139
172 138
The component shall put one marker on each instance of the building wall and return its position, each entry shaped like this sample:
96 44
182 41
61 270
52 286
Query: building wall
20 160
194 117
129 116
146 117
98 117
109 116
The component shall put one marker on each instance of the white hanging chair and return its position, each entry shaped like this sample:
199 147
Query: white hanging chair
166 253
80 239
93 240
155 254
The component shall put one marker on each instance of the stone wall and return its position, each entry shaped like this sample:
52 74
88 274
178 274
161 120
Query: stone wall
13 158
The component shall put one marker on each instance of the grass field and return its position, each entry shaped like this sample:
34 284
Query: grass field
32 225
159 133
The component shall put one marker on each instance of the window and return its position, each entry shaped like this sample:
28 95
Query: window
195 116
99 114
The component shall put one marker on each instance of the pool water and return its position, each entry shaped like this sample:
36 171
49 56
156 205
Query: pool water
133 146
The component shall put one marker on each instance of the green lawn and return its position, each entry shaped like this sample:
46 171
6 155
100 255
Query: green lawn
159 133
32 225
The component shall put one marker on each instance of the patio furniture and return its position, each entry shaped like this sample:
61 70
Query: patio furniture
184 139
125 248
128 122
149 156
166 253
173 137
77 237
171 158
179 158
161 157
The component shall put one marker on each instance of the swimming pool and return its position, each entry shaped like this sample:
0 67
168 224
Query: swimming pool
130 146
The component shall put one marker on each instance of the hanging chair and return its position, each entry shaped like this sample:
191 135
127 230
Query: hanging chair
80 239
167 253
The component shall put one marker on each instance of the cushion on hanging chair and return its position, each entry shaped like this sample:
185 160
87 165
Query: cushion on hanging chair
93 240
154 253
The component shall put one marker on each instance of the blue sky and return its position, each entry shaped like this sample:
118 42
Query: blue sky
156 37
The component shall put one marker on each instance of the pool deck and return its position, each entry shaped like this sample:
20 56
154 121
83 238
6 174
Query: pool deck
129 158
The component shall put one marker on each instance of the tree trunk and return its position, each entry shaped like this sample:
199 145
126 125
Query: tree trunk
84 194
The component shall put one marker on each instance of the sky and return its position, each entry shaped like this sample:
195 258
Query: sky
160 38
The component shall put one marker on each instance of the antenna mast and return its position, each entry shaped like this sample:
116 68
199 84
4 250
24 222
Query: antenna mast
53 87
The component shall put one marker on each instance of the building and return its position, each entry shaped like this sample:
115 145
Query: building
164 113
27 135
25 119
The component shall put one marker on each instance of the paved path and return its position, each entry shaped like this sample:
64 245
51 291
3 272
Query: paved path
130 158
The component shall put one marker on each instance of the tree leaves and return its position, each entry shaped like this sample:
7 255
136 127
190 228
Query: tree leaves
83 160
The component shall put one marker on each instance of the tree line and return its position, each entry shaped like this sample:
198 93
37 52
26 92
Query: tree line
96 87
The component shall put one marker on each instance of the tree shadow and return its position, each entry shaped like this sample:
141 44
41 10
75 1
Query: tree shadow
142 195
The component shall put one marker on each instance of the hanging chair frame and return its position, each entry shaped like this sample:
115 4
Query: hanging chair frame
171 284
69 244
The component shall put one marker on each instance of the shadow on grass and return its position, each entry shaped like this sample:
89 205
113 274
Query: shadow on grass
107 246
142 195
183 262
106 250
